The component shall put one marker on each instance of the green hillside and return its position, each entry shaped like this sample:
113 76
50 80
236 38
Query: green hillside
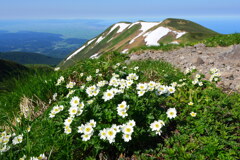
10 69
29 58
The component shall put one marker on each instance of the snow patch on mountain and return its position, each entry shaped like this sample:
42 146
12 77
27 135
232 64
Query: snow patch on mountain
145 26
74 53
89 42
121 26
179 34
95 56
100 39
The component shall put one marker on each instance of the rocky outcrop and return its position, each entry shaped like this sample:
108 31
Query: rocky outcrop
226 59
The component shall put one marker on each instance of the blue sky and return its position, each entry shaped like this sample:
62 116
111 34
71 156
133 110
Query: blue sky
102 9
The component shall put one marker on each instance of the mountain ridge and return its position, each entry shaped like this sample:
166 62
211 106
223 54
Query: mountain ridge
124 36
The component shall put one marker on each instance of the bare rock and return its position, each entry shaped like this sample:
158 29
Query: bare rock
197 61
200 45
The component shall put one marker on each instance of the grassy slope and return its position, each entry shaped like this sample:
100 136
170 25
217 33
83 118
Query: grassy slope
29 58
210 135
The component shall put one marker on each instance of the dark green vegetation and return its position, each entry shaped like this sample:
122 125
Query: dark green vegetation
222 40
212 134
18 81
53 45
29 58
9 69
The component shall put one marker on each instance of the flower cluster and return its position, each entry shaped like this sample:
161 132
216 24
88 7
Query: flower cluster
17 139
197 81
87 130
40 157
190 70
60 80
4 139
55 110
215 75
156 126
110 133
70 85
92 91
122 109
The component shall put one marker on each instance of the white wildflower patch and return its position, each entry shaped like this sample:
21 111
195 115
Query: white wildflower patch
92 91
70 85
122 109
87 130
157 126
60 80
55 110
89 78
193 114
18 139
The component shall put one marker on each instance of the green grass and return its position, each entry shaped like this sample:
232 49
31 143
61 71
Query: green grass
212 134
37 83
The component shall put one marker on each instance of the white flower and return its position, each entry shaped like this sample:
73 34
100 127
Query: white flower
140 93
81 128
29 129
108 95
81 74
88 129
70 93
42 157
75 101
103 134
57 69
4 148
171 113
131 123
54 96
111 134
92 123
70 85
60 80
193 114
157 125
200 83
97 70
142 86
85 137
17 139
89 78
127 137
73 110
136 68
23 158
68 121
123 106
90 101
171 89
190 103
122 113
68 130
162 89
126 129
132 76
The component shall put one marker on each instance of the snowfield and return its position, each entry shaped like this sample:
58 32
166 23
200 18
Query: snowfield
121 26
145 26
74 53
152 38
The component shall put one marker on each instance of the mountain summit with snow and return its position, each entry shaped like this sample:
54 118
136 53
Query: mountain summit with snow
124 36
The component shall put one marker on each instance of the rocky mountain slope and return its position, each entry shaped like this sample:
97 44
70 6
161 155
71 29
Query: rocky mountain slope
124 36
226 59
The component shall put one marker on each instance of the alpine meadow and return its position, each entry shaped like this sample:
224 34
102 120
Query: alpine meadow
140 90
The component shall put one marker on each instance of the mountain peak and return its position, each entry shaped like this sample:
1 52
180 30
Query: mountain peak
123 36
